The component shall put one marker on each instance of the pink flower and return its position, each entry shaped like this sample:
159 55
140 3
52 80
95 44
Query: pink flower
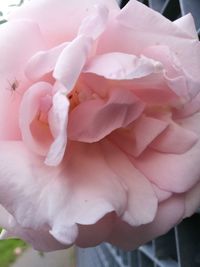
99 115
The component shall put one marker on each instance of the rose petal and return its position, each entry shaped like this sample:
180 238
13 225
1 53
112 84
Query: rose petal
119 110
92 235
192 200
99 18
58 119
188 109
186 23
177 79
121 66
41 240
136 138
162 195
53 27
173 172
141 199
5 218
170 212
43 62
71 61
175 139
35 133
136 34
14 53
59 198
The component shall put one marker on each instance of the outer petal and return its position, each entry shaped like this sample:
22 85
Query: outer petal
141 200
63 27
186 23
192 200
136 34
5 218
77 191
121 108
40 239
171 172
177 79
170 212
14 53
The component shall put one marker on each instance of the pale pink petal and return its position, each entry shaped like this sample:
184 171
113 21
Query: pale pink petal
170 213
77 191
14 53
71 61
73 58
176 78
94 234
5 218
136 138
58 119
173 172
175 139
43 62
99 18
162 195
186 24
188 109
92 120
141 198
63 27
153 29
35 133
41 240
121 66
151 89
192 200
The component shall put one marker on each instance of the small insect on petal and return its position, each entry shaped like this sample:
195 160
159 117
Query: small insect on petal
13 85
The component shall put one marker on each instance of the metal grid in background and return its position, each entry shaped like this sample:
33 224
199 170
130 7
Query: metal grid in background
180 247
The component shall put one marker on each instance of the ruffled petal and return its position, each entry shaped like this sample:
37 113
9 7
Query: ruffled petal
71 61
173 172
56 199
137 136
176 78
35 132
175 139
120 109
153 29
170 213
73 58
141 198
121 66
58 119
43 62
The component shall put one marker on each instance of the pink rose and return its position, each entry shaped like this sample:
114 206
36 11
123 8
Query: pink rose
99 118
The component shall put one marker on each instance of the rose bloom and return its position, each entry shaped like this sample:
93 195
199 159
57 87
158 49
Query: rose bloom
100 123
